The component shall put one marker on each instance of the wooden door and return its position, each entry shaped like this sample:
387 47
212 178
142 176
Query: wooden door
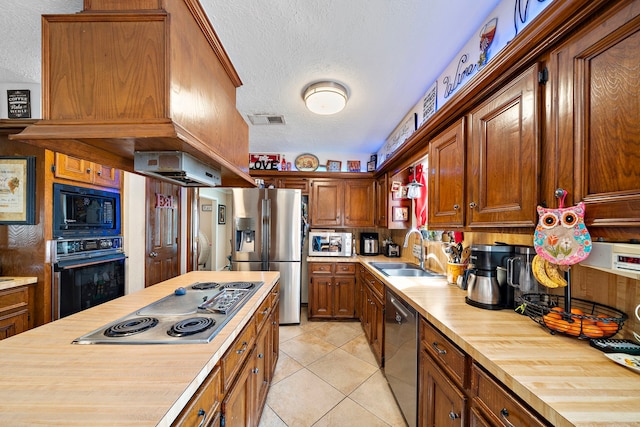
73 168
447 178
381 201
320 297
503 190
344 297
237 406
593 133
163 219
377 328
441 403
327 199
358 203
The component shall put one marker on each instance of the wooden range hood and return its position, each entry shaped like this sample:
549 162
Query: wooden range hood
116 81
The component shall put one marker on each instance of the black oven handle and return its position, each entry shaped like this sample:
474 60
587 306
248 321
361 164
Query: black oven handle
76 263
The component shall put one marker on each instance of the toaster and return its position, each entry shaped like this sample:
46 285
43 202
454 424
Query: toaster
392 250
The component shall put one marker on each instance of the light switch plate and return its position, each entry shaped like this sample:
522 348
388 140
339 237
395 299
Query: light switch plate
416 251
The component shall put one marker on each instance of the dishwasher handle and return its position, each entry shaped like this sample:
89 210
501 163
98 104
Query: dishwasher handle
399 308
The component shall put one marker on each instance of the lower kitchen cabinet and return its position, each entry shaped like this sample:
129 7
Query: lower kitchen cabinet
372 314
14 311
444 378
442 402
235 392
495 405
332 291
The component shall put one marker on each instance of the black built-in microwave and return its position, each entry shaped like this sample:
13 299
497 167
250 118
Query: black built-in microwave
85 212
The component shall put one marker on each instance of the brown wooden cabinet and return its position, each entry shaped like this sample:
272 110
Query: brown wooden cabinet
247 367
382 198
503 156
372 314
592 126
496 405
76 169
342 203
295 183
447 178
444 376
14 311
332 291
204 408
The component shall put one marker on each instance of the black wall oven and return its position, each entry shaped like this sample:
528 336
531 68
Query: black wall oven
85 212
86 272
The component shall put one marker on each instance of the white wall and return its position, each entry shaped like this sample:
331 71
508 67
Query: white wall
134 230
323 157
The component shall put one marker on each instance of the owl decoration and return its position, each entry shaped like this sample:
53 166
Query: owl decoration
561 236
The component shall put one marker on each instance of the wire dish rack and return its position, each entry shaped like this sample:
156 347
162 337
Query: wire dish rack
586 320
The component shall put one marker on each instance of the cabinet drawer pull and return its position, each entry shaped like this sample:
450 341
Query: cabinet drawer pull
453 415
244 347
504 413
438 349
265 311
202 413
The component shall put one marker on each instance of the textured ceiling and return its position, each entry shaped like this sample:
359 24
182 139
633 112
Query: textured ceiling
386 52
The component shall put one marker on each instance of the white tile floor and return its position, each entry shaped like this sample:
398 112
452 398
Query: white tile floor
327 376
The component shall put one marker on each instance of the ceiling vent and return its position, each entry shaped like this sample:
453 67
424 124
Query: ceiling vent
265 119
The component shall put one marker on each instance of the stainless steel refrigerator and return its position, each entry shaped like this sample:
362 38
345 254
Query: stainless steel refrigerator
267 237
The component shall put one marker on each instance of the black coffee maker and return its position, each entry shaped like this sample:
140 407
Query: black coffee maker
368 243
486 287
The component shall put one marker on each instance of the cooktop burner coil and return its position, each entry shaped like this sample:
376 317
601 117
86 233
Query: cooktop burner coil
191 326
206 285
239 285
131 327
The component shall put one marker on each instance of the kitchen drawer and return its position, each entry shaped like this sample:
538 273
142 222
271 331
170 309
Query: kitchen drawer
234 358
321 268
453 360
501 406
275 294
345 268
204 404
376 285
262 313
14 299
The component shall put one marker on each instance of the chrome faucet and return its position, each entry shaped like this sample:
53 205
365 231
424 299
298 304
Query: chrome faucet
406 243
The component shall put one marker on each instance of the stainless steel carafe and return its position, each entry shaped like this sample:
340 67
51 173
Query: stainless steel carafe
520 274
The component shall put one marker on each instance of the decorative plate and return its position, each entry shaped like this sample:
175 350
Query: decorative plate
626 360
306 162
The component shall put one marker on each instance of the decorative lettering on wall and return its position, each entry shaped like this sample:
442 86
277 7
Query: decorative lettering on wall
462 72
164 201
520 13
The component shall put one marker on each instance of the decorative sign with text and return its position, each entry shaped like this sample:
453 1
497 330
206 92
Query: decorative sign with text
164 202
19 103
264 162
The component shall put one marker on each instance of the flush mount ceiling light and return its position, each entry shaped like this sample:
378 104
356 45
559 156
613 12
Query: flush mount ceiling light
325 97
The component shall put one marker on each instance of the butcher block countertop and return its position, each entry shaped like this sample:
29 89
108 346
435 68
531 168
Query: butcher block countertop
46 380
563 378
7 282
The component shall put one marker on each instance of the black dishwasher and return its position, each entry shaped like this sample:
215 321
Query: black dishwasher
401 354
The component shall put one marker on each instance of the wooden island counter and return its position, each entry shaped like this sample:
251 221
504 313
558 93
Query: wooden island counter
46 380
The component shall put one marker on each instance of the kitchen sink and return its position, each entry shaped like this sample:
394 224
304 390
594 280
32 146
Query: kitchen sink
403 269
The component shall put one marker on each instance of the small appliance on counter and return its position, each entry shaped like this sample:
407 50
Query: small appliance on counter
392 250
485 287
369 244
330 243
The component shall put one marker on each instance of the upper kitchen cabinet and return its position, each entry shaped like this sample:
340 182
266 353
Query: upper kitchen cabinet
593 128
151 79
75 169
503 156
447 178
342 203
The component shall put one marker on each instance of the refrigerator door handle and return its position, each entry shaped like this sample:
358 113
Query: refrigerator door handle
266 232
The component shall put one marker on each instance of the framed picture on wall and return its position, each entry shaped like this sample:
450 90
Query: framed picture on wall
334 165
222 214
400 213
17 190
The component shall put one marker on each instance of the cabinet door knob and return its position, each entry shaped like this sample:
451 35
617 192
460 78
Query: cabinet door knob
453 415
504 413
472 205
456 206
